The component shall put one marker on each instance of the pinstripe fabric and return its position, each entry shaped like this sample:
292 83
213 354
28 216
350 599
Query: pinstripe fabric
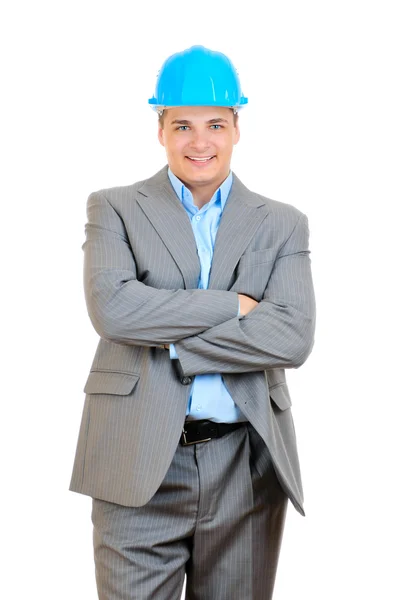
226 532
141 270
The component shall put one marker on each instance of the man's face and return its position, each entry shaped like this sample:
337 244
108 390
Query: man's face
201 132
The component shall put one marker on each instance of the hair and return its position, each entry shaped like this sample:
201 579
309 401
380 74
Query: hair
161 119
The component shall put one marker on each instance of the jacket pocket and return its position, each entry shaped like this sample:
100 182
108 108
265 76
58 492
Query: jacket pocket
280 395
111 382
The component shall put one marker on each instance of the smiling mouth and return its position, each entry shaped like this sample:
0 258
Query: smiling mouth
197 159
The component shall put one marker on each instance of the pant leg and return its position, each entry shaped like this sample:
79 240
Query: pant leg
240 524
140 553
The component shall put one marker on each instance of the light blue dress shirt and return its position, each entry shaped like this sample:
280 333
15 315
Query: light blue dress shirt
209 397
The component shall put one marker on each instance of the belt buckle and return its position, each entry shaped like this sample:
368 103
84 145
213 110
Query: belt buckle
186 443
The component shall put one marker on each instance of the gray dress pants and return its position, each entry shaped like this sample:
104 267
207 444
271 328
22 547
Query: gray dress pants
214 518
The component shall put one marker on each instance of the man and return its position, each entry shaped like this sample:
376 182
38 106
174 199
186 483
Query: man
202 295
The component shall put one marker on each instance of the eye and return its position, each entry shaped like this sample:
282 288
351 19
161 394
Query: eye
181 128
216 125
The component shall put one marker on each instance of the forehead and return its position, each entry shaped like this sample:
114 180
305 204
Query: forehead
197 114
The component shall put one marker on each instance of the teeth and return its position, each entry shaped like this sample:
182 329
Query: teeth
200 159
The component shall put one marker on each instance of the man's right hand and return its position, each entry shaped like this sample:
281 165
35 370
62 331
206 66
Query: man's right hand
246 304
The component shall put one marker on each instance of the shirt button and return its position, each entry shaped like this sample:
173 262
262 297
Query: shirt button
199 407
186 380
198 217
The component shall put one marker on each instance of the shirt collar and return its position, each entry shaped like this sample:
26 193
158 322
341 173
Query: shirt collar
182 191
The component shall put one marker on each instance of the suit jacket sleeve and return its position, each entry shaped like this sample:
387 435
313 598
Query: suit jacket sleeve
278 333
125 310
172 350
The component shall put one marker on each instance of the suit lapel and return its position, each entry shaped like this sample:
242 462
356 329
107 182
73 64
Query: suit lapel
243 213
163 208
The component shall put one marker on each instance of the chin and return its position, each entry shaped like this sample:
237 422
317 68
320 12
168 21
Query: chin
210 173
201 177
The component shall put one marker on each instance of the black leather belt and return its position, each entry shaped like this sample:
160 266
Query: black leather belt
195 432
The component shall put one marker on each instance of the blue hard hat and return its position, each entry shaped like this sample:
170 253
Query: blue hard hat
197 77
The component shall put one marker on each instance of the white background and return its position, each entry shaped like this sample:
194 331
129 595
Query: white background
320 132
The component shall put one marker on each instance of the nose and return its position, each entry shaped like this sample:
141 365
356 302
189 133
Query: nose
199 141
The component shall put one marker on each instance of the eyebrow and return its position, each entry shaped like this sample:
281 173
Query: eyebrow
185 122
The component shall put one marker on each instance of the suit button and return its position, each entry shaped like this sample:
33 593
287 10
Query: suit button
186 380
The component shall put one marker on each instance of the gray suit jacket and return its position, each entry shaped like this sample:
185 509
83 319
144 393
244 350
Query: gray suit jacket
140 276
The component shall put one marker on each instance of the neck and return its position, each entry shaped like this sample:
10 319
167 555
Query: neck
202 194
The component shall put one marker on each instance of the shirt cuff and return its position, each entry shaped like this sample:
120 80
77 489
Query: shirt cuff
239 313
173 352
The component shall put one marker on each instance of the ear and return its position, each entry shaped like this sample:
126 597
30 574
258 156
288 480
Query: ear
237 132
160 135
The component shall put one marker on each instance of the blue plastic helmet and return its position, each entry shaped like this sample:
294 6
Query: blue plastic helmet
197 77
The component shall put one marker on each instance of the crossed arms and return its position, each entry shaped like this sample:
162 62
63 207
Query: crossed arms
203 325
